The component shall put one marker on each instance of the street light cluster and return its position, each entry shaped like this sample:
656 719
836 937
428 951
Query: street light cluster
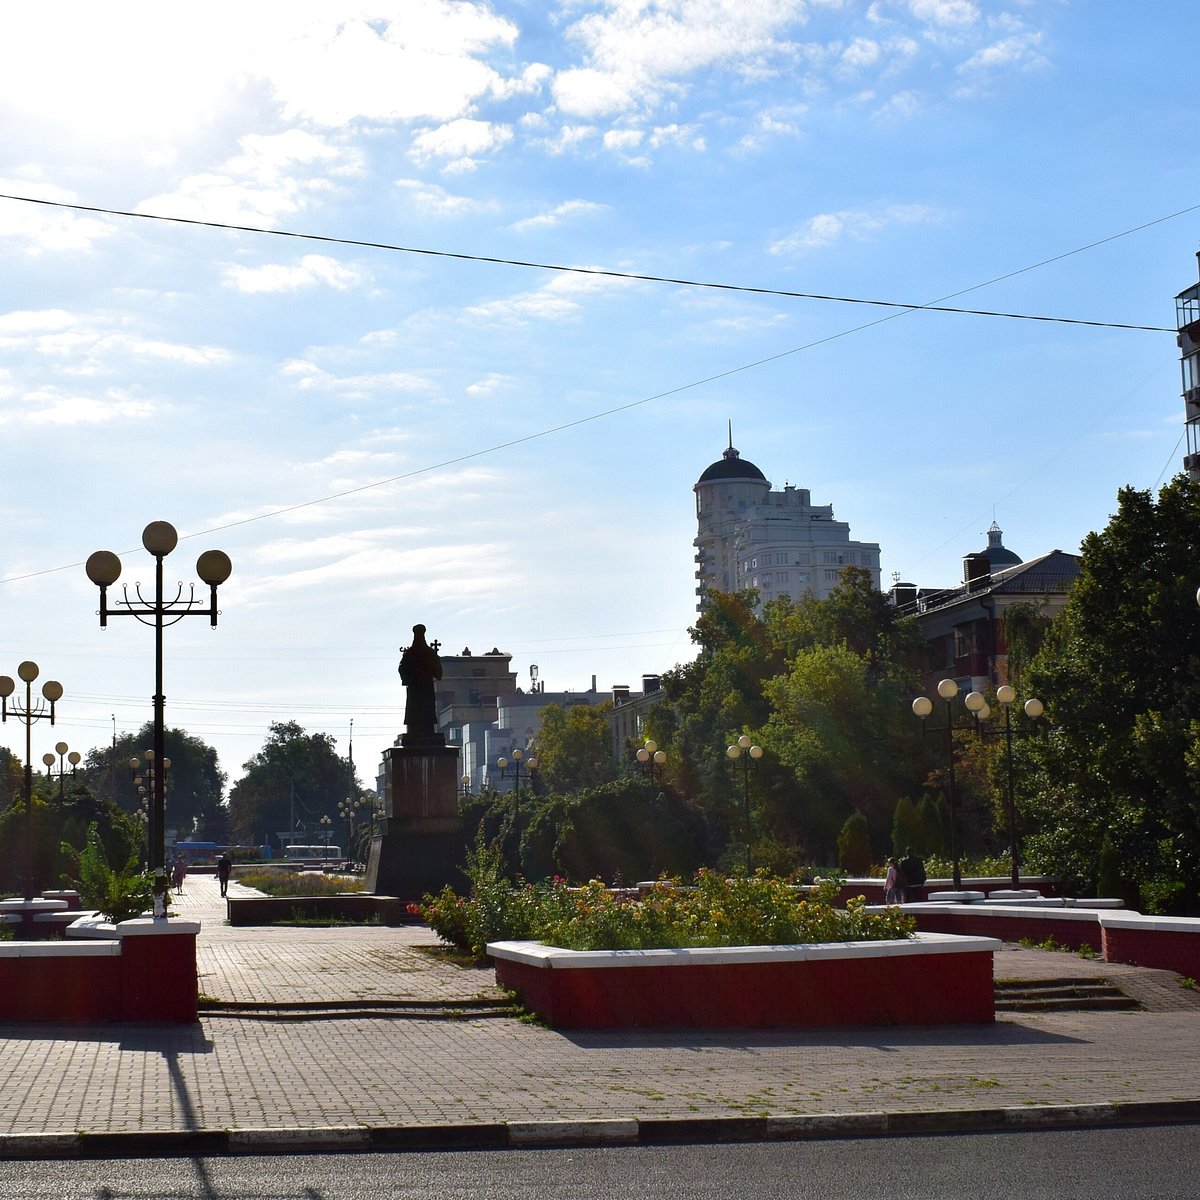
977 706
104 569
745 751
28 712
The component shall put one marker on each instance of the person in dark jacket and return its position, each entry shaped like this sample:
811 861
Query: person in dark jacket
912 876
224 870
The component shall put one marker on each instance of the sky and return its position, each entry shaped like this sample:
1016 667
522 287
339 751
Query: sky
385 415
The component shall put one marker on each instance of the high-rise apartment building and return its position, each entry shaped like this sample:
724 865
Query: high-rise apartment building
777 542
1187 320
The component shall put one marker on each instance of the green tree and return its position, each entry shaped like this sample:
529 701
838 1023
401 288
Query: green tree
1120 673
574 747
60 831
195 782
854 845
294 780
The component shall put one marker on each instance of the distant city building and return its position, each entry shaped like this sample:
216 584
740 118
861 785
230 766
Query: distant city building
1187 319
777 542
964 626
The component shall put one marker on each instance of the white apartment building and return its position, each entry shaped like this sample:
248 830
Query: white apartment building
777 542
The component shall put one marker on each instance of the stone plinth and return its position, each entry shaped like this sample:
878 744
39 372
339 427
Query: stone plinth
421 846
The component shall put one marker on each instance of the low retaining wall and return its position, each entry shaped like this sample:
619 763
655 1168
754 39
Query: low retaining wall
1073 927
142 970
931 979
1169 943
873 888
352 907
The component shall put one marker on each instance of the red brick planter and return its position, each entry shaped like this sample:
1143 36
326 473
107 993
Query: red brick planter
931 979
1169 943
1073 927
141 970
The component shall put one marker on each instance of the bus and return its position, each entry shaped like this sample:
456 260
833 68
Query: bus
313 856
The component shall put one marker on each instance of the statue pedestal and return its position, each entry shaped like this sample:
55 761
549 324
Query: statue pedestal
420 847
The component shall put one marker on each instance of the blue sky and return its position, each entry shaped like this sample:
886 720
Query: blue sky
506 454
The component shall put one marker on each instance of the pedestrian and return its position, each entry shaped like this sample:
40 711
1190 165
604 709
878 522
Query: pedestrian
179 873
893 892
912 876
224 869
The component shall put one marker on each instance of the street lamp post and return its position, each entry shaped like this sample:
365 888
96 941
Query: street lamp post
74 758
346 810
1005 695
27 713
650 756
922 706
104 569
745 751
519 766
325 822
977 705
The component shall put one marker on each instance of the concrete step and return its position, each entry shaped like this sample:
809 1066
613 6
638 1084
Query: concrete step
1061 995
406 1010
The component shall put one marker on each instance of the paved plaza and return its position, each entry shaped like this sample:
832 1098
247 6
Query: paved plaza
424 1070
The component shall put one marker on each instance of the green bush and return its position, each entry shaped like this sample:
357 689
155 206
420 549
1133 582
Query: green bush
714 911
298 883
118 893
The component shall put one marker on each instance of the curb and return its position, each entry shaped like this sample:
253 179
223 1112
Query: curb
516 1135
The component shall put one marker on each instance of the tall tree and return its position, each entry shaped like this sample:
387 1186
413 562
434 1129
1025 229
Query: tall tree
195 782
1120 673
574 747
290 784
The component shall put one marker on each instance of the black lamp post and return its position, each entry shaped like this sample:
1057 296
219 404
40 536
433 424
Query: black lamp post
74 758
104 569
1005 695
28 712
977 705
922 706
745 751
518 767
650 756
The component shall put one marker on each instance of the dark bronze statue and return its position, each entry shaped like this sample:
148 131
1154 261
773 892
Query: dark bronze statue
420 666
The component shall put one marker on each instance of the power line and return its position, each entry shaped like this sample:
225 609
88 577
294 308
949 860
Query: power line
633 276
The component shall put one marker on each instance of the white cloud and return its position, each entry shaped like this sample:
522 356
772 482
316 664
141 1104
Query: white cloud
637 55
273 176
490 385
568 210
948 13
558 300
44 228
312 270
308 376
420 61
462 140
430 198
825 229
1020 50
51 406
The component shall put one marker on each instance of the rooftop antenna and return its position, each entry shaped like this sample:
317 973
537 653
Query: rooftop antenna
731 421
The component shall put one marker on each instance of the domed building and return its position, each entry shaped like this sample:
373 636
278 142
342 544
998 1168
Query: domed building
777 542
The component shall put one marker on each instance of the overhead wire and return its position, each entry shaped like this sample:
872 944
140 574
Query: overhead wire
636 276
901 309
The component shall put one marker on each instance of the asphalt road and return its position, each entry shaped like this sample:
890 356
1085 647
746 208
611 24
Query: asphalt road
1099 1164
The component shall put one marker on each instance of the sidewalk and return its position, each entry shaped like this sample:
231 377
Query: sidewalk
240 1083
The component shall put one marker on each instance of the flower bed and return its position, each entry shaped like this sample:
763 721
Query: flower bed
925 980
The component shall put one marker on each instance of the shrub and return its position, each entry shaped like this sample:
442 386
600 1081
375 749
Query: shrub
118 893
298 883
714 911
